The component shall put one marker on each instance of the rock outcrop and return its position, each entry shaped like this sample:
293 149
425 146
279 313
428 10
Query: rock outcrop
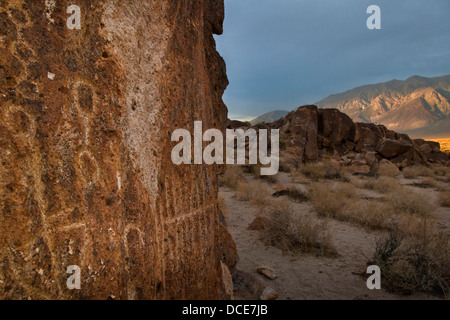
311 133
86 176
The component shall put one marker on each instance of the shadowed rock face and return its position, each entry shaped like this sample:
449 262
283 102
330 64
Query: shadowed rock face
86 176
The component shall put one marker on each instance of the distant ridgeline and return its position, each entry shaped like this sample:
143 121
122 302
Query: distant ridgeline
418 106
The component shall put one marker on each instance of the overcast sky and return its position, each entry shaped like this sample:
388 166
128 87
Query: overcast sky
281 54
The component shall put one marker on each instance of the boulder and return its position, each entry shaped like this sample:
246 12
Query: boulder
247 286
260 223
388 166
428 146
372 160
226 248
268 294
360 168
336 125
410 158
304 130
267 272
369 134
437 157
389 148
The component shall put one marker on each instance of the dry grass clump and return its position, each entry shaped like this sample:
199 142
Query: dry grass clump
388 170
370 214
255 192
295 233
442 172
298 177
331 202
444 198
231 177
415 262
397 210
383 184
323 170
284 167
255 169
405 201
313 171
417 171
427 182
244 191
293 192
360 182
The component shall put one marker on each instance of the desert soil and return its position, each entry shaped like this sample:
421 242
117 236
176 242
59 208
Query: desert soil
308 276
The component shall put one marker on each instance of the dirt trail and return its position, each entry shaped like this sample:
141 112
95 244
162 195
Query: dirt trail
308 276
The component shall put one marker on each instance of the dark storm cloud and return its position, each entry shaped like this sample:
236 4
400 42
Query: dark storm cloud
284 53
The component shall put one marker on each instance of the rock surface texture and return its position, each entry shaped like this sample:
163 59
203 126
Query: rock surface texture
86 176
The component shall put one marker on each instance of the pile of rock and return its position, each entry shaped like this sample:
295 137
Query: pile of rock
311 133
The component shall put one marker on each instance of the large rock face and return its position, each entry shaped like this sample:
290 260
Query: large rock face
86 176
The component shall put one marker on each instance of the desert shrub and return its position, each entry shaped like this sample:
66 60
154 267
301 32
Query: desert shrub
297 233
427 182
345 189
254 192
384 184
405 201
293 193
328 202
232 175
284 167
388 170
370 214
313 171
444 198
360 182
298 177
398 210
417 171
244 191
414 262
440 170
325 169
256 171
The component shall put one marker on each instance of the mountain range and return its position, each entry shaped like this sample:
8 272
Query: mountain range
269 117
418 106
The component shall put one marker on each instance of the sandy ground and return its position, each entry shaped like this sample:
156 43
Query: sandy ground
308 276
